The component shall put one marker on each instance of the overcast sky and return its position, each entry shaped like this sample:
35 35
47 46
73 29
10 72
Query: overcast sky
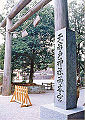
3 2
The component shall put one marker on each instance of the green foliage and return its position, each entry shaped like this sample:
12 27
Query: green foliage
1 18
35 51
36 48
1 79
2 51
52 65
76 20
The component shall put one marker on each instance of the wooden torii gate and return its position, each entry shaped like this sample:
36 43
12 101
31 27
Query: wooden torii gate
61 21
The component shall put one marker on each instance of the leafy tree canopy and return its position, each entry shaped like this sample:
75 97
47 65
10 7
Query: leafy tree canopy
35 51
76 20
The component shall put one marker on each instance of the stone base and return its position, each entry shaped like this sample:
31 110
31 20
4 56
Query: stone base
49 112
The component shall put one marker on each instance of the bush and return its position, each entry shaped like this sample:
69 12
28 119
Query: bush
1 79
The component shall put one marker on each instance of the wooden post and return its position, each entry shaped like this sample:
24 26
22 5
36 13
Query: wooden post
15 10
31 12
61 14
19 7
7 61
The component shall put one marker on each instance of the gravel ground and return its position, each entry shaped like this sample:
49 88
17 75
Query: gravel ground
13 111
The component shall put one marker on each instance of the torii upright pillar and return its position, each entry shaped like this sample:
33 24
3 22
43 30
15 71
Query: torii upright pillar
61 14
6 90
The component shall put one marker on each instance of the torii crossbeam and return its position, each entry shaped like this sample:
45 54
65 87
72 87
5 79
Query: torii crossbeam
61 15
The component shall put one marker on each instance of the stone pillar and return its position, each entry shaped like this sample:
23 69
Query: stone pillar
65 69
6 90
65 58
65 95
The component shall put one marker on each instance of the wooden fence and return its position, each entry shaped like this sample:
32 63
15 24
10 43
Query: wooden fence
48 86
21 95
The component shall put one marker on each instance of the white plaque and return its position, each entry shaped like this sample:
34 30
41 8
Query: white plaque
60 67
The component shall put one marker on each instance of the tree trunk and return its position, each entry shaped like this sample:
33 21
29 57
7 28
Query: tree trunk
31 72
6 90
53 74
